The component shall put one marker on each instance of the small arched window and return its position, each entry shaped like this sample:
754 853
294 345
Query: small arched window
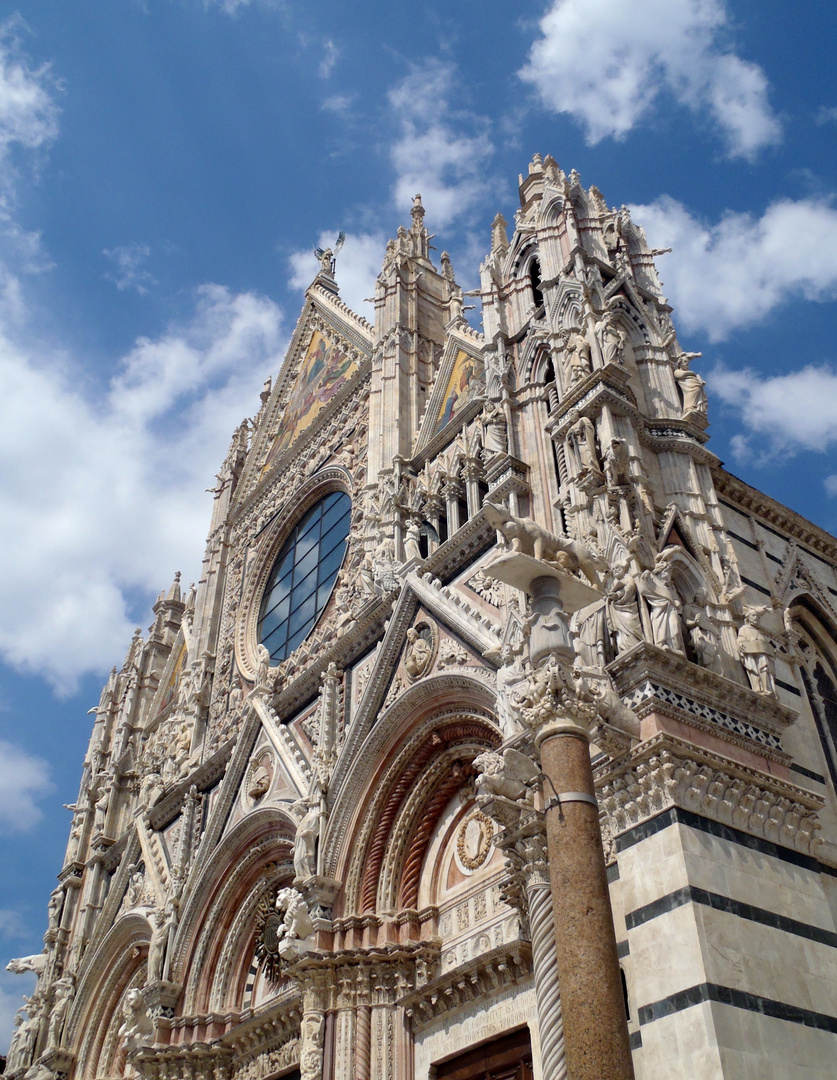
535 282
303 575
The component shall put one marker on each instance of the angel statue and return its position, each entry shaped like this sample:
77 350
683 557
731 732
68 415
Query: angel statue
328 256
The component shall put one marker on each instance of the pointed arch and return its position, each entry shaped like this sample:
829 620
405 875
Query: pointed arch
118 965
413 761
212 949
818 645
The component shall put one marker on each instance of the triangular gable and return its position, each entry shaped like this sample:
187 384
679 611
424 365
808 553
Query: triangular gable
327 357
795 578
458 391
453 614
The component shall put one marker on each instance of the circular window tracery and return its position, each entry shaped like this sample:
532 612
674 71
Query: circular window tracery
303 575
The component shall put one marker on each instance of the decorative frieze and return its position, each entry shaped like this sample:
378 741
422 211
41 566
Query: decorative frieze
665 771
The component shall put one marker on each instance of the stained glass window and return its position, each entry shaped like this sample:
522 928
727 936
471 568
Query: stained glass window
303 575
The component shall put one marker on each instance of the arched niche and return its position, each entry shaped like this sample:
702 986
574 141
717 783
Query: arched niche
213 947
117 966
410 766
818 647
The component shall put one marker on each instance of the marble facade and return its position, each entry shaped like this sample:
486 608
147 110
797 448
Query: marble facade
340 862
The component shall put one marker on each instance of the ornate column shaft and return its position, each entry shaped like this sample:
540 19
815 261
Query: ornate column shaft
595 1028
544 960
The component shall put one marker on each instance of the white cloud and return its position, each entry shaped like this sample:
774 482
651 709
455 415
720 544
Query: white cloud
831 484
102 495
441 153
795 411
337 103
358 264
28 114
330 56
129 272
826 114
733 274
605 62
23 780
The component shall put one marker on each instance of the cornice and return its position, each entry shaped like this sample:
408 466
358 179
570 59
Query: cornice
755 502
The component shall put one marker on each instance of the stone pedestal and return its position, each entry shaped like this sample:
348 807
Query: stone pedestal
595 1025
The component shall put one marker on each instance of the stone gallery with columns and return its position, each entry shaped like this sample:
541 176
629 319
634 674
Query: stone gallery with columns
499 735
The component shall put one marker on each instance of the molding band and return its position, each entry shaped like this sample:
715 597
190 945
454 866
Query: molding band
689 894
738 999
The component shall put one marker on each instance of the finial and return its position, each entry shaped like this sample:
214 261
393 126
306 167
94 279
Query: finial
174 592
417 212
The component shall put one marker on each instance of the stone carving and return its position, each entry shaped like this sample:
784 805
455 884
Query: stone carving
692 387
55 908
412 551
305 842
283 924
703 634
21 964
617 464
527 537
473 840
577 356
136 884
587 628
662 779
311 1048
498 371
260 775
509 774
162 929
494 429
510 674
419 653
622 609
663 604
582 437
62 997
263 667
488 588
611 338
137 1028
756 651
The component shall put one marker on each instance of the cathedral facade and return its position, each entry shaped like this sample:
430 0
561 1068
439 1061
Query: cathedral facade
499 735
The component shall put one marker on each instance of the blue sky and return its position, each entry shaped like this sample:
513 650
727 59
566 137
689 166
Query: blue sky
166 167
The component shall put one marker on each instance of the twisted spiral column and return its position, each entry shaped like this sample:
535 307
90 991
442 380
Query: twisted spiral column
547 989
363 1026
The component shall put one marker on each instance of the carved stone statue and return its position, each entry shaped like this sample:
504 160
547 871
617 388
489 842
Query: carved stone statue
703 635
498 371
587 626
663 605
157 946
305 843
582 436
617 464
63 992
756 651
527 537
494 429
692 386
56 906
612 339
136 883
509 775
577 357
296 920
36 963
622 610
510 674
412 539
13 1058
418 655
263 661
137 1028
